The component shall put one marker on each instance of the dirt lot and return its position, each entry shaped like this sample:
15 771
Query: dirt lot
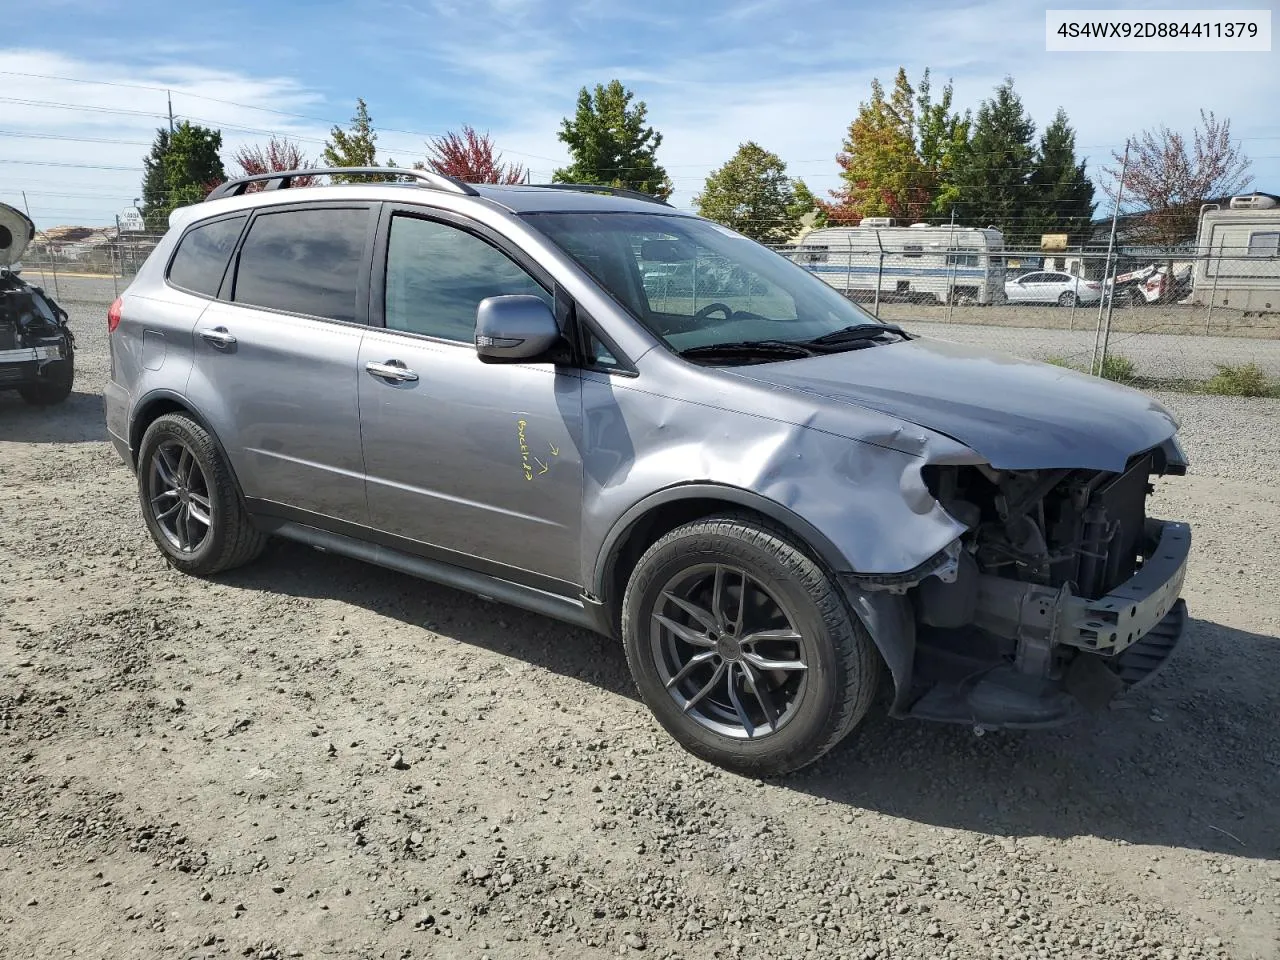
311 757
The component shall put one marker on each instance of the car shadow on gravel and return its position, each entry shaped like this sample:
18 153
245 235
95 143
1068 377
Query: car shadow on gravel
299 571
78 419
1203 774
1193 762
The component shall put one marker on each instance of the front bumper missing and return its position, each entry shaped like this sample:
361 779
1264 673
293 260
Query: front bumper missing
1123 639
1041 617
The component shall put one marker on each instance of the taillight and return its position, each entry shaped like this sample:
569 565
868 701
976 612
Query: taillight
113 316
1091 285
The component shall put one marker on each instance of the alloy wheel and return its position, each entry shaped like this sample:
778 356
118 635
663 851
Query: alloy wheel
728 651
178 496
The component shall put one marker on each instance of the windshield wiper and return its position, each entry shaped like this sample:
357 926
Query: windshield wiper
749 348
855 333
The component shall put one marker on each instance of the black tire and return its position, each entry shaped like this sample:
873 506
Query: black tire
832 694
228 539
54 385
1067 299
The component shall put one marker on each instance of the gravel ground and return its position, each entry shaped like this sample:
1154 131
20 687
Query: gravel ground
312 757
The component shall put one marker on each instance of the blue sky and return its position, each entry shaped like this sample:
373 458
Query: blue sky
786 73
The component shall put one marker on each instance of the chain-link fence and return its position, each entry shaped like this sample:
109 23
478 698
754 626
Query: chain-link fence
1076 306
103 255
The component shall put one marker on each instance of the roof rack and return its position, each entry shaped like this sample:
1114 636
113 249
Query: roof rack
597 188
283 179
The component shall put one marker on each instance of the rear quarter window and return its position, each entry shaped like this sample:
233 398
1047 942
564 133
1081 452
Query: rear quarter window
201 258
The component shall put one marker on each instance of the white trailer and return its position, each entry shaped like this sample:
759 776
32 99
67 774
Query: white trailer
920 262
1239 254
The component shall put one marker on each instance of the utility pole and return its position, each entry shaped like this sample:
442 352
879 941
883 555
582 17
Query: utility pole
1109 298
169 93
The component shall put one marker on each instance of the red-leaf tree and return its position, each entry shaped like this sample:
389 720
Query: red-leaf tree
471 157
279 154
1168 178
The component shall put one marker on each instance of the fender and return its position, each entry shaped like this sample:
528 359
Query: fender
164 394
812 537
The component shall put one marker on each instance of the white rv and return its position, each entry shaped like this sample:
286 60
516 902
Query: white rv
921 262
1239 254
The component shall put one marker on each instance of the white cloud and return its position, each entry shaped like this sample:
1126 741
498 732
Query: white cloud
113 123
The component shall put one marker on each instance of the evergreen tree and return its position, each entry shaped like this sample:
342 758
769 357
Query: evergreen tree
942 137
610 145
182 167
1062 195
752 195
992 182
155 186
356 147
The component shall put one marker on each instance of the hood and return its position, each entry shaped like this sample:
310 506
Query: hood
1017 414
16 231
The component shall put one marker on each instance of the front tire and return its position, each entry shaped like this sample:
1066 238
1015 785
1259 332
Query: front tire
54 385
190 500
743 647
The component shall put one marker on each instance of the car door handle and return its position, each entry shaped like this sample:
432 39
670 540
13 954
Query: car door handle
218 336
391 370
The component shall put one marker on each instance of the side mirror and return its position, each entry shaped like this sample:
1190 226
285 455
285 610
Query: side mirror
514 329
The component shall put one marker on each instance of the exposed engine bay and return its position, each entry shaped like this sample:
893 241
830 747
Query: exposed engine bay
36 344
1056 597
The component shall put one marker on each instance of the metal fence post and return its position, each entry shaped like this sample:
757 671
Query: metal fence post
1111 265
1213 293
879 274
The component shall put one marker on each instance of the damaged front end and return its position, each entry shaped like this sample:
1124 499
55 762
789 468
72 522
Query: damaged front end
1061 594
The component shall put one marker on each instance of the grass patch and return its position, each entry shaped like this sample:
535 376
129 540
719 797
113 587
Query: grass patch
1231 380
1114 367
1241 380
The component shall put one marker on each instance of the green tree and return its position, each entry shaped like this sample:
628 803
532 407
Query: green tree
993 180
356 147
182 167
807 209
881 169
942 137
155 185
752 194
610 145
1062 195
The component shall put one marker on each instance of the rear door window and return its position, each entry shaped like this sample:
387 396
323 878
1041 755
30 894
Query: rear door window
202 255
304 261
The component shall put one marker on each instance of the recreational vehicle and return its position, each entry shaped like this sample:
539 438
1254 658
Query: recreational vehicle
920 262
1239 254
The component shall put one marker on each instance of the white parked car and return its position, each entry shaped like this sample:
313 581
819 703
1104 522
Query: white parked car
1049 286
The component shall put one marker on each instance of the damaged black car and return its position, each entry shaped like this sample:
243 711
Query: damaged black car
37 348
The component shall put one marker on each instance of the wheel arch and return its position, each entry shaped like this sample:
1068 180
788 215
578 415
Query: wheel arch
155 405
887 617
661 512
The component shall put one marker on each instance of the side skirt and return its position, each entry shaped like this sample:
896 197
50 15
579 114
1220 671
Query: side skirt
579 612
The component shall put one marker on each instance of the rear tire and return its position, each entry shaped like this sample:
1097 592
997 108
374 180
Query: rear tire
778 679
53 387
1067 299
190 500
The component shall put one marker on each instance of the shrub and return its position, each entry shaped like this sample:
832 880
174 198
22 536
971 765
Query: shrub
1241 380
1115 367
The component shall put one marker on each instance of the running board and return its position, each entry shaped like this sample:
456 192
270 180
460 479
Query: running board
565 609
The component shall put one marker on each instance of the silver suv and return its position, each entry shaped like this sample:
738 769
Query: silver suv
586 403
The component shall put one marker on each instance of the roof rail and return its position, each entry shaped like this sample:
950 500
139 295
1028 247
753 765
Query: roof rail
597 188
282 179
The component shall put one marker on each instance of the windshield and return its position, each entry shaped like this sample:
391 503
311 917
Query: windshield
697 284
